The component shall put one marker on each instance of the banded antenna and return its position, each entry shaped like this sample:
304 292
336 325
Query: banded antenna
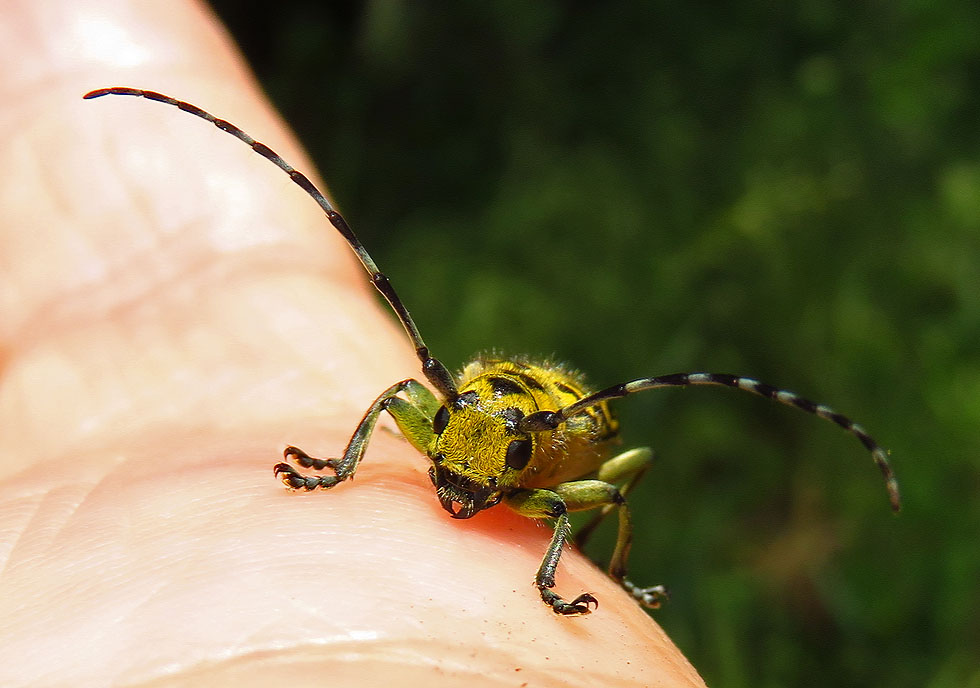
434 370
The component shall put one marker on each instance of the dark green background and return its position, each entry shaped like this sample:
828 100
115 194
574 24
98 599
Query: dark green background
786 192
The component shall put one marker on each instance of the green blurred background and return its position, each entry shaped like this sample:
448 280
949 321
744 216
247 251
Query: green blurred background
787 192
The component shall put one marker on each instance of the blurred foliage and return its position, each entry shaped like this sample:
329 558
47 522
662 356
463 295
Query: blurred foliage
791 192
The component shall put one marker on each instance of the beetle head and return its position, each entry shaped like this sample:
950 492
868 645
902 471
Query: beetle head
477 454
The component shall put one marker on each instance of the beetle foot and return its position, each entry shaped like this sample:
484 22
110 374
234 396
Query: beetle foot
651 597
580 605
295 480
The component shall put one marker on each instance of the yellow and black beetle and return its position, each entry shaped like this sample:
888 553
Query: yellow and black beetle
528 433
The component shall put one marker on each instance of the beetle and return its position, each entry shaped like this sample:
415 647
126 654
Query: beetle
529 433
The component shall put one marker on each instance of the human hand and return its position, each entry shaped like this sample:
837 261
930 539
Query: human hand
174 312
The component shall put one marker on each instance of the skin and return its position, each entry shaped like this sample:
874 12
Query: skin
174 311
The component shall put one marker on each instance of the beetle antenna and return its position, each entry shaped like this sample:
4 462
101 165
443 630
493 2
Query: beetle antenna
435 371
549 420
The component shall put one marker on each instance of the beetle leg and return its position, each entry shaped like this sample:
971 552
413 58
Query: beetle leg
581 495
628 467
547 504
414 415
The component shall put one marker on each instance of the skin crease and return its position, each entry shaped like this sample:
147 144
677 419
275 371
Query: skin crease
174 311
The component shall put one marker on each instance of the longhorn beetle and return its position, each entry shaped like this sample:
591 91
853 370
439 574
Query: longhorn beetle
528 433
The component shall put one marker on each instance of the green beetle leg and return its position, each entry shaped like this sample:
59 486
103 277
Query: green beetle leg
626 468
413 417
547 504
582 495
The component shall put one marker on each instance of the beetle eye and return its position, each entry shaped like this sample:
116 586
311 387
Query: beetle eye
441 420
518 454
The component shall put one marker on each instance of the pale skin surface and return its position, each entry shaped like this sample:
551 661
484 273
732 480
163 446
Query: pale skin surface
174 311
